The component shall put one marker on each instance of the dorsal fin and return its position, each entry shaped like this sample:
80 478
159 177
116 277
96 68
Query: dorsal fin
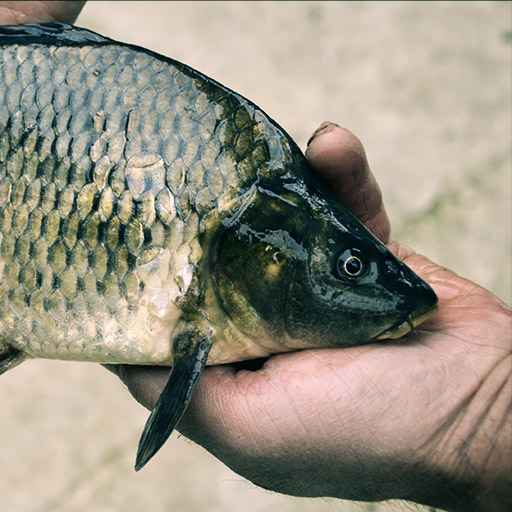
52 33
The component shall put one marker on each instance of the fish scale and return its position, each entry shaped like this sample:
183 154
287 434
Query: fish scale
150 215
109 160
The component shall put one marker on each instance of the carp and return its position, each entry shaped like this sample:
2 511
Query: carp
150 215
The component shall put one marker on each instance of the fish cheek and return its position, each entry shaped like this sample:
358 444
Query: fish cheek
251 281
325 311
313 318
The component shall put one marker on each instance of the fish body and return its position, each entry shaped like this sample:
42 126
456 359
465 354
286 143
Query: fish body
113 164
150 215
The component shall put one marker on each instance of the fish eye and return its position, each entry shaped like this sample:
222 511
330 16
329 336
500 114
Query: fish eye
349 264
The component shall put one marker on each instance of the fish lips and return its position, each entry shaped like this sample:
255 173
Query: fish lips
418 299
412 319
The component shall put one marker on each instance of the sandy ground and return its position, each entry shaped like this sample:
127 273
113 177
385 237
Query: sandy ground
427 87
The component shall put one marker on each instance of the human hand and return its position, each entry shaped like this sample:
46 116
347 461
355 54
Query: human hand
14 13
422 419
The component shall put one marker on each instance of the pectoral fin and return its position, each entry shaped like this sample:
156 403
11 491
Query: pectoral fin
10 359
190 355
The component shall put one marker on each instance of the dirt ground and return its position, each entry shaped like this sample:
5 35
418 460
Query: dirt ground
426 86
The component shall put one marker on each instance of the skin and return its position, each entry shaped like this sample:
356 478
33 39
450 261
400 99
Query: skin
13 13
427 419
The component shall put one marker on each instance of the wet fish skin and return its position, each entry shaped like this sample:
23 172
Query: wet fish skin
149 215
110 160
119 170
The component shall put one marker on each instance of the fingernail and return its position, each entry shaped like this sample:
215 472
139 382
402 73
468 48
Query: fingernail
325 127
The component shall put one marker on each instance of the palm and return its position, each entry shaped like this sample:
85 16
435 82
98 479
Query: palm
357 401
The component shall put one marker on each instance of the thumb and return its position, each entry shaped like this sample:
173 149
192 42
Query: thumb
338 157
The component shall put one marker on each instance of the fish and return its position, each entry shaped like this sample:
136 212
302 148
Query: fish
150 215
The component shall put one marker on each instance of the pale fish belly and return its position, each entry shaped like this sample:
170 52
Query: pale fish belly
110 161
99 331
101 199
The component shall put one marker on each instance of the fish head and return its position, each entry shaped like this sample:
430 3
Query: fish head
298 267
351 289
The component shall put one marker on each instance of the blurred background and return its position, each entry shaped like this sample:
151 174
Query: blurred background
427 88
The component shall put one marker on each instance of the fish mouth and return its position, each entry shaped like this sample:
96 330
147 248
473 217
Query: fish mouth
406 326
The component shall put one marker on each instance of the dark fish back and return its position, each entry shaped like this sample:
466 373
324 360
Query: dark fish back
109 155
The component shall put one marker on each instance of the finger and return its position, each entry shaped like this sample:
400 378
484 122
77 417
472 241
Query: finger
217 403
447 284
65 10
338 156
212 408
213 418
38 12
145 383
